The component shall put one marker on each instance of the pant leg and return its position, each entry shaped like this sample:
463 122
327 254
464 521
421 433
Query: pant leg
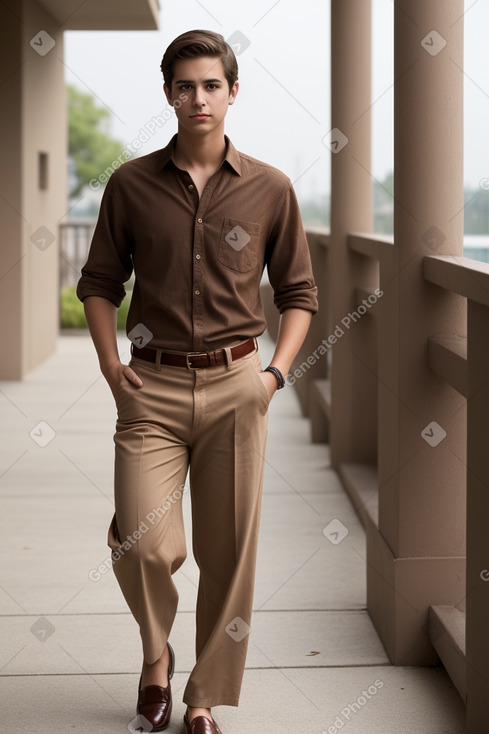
226 475
151 461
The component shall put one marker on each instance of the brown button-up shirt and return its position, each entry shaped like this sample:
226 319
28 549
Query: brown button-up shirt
198 262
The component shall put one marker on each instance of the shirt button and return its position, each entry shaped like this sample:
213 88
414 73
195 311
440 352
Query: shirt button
197 293
190 188
200 220
197 257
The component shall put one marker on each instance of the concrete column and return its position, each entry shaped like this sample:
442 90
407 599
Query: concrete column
353 388
416 559
30 210
477 640
12 264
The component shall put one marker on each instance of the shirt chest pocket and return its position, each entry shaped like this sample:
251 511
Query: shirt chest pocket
239 245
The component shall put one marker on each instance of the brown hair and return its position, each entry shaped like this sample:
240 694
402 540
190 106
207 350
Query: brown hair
199 43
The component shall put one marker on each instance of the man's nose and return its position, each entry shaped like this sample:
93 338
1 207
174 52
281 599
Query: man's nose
199 98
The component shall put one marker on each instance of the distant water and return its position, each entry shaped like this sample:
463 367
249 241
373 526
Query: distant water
476 246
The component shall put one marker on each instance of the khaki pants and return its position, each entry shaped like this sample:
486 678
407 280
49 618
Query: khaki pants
215 421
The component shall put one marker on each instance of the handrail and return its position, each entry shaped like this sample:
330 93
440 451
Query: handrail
373 245
362 294
462 275
447 357
321 235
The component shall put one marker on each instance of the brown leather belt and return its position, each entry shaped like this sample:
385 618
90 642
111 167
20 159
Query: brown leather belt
194 360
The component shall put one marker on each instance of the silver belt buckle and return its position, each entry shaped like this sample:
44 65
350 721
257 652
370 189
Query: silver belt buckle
189 355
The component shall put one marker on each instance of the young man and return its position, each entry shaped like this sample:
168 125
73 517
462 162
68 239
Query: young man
197 222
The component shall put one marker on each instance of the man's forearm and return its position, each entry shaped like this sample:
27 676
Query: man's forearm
102 321
294 325
101 317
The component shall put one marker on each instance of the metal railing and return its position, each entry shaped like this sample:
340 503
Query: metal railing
75 236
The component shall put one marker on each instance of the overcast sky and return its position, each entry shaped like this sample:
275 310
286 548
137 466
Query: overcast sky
282 112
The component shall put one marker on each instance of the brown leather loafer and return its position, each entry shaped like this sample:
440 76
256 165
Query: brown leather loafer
200 725
155 703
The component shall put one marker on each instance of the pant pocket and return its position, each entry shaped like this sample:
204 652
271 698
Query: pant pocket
254 365
113 539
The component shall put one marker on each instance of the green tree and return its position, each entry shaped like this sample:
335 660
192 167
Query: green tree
90 148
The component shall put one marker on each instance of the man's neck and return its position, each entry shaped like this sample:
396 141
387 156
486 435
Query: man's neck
206 152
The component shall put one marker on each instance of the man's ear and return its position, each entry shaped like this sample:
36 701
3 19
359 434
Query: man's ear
233 92
167 92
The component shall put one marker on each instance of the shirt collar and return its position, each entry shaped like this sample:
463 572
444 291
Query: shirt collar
232 157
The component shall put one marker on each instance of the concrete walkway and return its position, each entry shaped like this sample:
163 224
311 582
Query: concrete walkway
70 655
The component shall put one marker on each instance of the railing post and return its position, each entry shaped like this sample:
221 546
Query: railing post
353 387
477 612
416 558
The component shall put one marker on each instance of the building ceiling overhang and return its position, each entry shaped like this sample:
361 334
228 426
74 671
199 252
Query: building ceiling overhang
104 15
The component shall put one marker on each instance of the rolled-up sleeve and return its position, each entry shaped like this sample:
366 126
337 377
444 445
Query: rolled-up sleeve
109 263
288 259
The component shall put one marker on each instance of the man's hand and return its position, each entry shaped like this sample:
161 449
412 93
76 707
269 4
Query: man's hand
116 373
270 382
102 321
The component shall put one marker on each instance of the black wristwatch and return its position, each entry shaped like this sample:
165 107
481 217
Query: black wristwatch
278 376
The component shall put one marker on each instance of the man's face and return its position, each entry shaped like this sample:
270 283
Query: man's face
200 94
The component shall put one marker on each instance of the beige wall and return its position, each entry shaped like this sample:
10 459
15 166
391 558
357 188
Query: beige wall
34 98
10 194
33 121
